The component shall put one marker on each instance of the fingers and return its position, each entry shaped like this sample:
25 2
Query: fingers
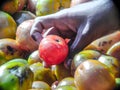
78 43
81 39
37 26
36 31
40 25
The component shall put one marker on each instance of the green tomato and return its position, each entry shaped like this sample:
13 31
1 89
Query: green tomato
45 7
15 75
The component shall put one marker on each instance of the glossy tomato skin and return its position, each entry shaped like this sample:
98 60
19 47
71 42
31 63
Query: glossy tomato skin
53 49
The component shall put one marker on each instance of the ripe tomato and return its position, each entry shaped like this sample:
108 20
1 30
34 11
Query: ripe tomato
53 49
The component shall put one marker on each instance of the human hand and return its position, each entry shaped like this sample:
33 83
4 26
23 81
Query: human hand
82 24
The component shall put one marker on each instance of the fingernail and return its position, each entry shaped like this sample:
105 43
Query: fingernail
37 37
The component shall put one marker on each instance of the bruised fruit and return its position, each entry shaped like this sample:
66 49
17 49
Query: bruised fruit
9 50
83 56
45 7
112 63
104 43
53 49
15 75
7 26
23 37
21 16
93 75
12 6
42 74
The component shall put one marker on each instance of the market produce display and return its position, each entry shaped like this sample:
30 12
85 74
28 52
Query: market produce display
25 65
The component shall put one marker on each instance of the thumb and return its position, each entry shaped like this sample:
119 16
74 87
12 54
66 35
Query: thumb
36 31
50 31
78 44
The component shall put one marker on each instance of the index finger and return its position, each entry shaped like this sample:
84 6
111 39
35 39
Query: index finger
36 31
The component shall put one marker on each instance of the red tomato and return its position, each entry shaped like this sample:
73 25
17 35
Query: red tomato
53 49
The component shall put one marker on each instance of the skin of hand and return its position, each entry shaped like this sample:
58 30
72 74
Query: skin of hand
82 23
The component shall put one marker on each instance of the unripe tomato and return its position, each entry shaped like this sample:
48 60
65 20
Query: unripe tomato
53 49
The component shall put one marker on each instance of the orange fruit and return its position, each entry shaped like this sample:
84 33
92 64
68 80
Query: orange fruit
7 26
93 75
